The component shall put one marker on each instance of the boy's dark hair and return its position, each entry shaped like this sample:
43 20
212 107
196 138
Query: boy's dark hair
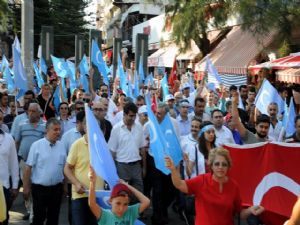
130 106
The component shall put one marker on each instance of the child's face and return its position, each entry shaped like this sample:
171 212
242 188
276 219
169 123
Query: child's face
119 205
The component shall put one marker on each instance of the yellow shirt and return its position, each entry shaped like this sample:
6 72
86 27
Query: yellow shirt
79 157
2 204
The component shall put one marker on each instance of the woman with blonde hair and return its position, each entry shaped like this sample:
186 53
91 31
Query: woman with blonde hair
217 196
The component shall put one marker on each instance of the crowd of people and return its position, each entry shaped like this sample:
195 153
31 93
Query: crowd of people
45 150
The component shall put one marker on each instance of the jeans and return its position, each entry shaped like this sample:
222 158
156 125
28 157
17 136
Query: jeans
81 213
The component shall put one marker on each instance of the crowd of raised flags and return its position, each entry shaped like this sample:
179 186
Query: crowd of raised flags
163 140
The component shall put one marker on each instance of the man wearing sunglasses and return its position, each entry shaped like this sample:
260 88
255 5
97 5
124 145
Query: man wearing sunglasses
100 112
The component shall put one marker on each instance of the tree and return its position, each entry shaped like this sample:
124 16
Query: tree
4 15
68 19
263 16
192 20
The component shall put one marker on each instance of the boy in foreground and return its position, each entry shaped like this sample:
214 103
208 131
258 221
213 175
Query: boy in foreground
120 212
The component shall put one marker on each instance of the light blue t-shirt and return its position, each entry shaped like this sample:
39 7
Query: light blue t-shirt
129 217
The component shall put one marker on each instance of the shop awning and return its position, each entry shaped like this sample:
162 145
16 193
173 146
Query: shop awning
189 54
163 57
291 75
235 52
290 61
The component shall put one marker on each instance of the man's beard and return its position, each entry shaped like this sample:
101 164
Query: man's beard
261 136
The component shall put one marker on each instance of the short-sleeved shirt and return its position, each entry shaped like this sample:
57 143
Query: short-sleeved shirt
224 136
126 143
26 134
19 119
79 157
212 206
251 138
47 161
129 217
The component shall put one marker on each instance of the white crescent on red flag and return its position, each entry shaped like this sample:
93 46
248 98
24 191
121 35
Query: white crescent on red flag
268 174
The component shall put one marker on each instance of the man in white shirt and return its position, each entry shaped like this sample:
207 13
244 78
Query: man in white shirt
223 134
44 176
125 142
276 130
9 167
183 120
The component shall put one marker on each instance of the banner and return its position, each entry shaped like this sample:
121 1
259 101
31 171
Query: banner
267 174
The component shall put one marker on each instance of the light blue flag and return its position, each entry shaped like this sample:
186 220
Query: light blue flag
158 144
59 66
141 70
9 80
63 87
5 63
56 99
84 71
266 95
285 115
84 66
136 85
212 72
165 86
43 66
40 80
121 73
192 84
290 127
100 156
19 71
16 44
85 83
171 138
72 76
98 61
129 90
149 80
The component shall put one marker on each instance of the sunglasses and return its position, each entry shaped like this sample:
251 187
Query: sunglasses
98 109
80 108
218 164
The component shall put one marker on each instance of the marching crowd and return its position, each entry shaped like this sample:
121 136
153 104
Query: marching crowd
45 150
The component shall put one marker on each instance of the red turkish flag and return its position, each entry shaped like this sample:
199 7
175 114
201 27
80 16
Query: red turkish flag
173 74
154 104
268 175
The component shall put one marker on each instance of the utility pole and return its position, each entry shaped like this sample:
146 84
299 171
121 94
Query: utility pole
27 39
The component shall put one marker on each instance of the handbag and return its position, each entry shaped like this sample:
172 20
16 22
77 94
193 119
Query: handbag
3 205
189 203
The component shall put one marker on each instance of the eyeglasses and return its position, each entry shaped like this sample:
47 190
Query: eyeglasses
98 109
80 108
87 100
218 164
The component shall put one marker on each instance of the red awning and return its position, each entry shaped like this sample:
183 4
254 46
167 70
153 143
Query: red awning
235 52
291 75
291 61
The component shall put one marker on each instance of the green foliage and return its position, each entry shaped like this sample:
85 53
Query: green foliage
192 19
66 16
4 15
68 20
285 49
263 16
